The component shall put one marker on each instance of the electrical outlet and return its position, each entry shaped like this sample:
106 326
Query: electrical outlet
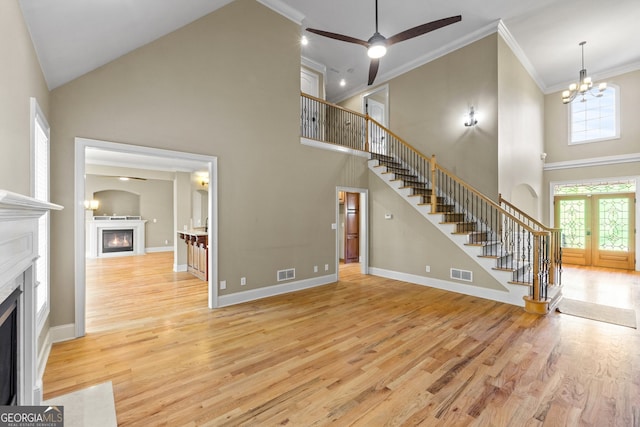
428 269
326 267
223 284
315 268
166 242
243 281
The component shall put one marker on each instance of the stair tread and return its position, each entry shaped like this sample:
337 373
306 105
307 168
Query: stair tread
513 282
476 233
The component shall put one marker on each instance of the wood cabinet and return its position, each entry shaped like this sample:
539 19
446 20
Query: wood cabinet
197 253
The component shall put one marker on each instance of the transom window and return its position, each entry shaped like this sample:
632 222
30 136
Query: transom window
594 119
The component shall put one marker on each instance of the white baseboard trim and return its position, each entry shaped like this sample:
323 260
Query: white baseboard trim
269 291
159 249
62 333
43 355
179 267
514 297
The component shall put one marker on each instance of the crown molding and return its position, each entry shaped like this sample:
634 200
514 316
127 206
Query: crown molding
284 10
603 75
508 38
314 65
595 161
424 59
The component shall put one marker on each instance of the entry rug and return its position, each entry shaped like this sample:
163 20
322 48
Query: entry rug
93 406
602 313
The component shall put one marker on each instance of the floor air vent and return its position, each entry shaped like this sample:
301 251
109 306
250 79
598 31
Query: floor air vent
286 274
465 275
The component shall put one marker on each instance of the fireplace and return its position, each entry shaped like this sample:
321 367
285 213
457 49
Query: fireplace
117 240
109 236
20 380
9 350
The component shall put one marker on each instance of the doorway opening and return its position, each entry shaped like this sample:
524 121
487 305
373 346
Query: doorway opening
153 159
598 219
598 223
352 245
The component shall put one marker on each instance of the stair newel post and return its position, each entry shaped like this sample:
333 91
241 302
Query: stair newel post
553 255
366 133
535 303
536 267
434 185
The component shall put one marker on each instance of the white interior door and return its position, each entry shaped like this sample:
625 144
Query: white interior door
309 82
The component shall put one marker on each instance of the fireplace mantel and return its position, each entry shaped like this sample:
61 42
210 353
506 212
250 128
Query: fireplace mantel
18 251
98 224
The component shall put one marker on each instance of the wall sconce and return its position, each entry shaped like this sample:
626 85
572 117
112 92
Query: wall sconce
91 205
471 118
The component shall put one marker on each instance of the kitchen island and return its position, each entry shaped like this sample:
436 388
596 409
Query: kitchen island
197 252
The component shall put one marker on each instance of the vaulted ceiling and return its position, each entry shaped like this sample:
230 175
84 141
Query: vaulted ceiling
73 37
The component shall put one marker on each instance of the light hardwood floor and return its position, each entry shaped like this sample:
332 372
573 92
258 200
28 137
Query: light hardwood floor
365 351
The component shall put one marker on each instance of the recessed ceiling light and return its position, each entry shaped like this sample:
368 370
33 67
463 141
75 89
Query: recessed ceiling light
304 40
343 82
124 178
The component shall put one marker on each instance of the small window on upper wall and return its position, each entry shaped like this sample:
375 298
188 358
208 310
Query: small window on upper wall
595 119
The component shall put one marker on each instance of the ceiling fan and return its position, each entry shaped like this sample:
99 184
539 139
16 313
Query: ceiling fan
377 45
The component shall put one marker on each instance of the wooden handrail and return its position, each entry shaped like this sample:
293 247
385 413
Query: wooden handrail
322 101
526 215
544 239
488 200
430 160
400 140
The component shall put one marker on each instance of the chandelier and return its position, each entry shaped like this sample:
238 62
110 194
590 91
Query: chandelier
583 86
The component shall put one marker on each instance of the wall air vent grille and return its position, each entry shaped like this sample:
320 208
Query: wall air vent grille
286 274
458 274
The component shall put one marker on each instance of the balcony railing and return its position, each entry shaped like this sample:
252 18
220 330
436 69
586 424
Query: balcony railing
519 243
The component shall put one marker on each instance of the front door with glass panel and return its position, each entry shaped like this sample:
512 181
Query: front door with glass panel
597 229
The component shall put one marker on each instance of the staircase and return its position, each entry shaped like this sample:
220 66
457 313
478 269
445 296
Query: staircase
519 252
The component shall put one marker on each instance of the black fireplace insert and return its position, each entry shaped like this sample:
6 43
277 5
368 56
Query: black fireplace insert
117 240
9 350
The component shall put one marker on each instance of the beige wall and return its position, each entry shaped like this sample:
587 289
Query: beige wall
521 133
222 89
557 125
20 79
407 242
427 107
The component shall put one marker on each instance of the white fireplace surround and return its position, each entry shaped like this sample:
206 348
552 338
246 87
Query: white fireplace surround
98 224
18 252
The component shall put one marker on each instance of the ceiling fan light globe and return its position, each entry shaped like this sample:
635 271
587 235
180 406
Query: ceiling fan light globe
377 50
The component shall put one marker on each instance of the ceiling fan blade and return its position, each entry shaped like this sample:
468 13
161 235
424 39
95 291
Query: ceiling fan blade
340 37
423 29
373 70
